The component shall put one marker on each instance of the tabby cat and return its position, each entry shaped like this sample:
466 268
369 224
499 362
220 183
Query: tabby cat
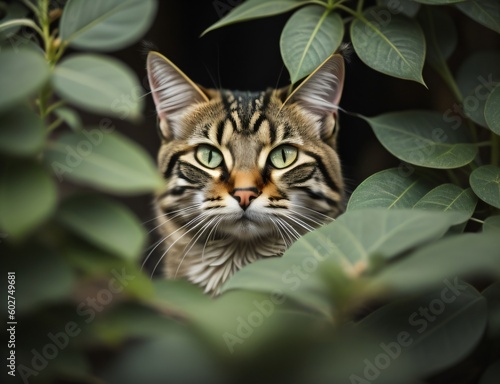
246 173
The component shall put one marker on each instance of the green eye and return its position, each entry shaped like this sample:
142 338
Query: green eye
208 156
283 156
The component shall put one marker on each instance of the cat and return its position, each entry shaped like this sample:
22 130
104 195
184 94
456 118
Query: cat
246 173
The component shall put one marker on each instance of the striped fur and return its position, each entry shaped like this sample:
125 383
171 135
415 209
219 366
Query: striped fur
208 233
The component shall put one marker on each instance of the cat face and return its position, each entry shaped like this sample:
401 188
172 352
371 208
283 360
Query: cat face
248 167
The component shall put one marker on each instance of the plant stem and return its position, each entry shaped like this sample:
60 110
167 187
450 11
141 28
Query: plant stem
476 220
54 106
54 125
359 8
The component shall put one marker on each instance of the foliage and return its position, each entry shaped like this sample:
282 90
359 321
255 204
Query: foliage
392 291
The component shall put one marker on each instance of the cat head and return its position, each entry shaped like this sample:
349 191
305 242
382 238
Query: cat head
248 164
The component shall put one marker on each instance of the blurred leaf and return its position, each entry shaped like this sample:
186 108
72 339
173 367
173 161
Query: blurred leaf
389 43
440 35
22 133
406 7
492 224
104 160
131 320
492 110
450 198
438 2
308 38
106 25
351 243
13 14
27 197
255 9
423 138
391 188
491 375
99 84
105 223
176 357
485 182
440 328
42 277
35 72
452 257
492 295
70 117
485 12
477 77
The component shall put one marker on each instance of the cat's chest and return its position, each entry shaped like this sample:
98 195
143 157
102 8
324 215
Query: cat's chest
211 265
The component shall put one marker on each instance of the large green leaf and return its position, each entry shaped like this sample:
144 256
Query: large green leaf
389 43
406 7
104 223
423 138
450 198
492 110
485 182
254 9
22 132
106 25
309 37
452 257
27 197
34 69
99 84
440 35
477 77
391 188
491 223
42 276
439 328
103 159
354 243
485 12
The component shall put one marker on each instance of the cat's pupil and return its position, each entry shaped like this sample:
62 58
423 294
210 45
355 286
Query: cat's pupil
283 154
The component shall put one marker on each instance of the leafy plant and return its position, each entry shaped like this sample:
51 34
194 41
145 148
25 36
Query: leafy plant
392 291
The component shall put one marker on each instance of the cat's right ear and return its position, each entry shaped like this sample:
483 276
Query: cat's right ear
173 93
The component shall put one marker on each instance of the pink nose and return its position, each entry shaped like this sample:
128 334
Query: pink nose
244 196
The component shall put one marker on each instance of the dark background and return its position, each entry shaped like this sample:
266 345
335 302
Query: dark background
247 56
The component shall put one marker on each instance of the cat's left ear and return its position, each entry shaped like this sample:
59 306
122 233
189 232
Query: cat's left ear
173 93
319 94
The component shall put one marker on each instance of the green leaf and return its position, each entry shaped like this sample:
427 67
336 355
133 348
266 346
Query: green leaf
104 223
99 84
440 35
347 247
492 224
492 295
70 117
485 12
439 328
485 182
477 77
423 138
42 276
255 9
13 19
391 188
309 37
450 198
16 89
450 258
22 132
491 374
389 43
27 197
406 7
104 160
438 2
492 111
106 25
